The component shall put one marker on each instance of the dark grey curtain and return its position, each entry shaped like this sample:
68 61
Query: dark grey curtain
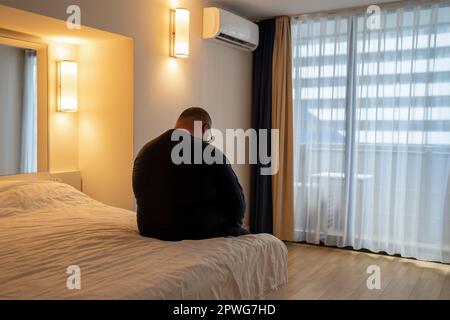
261 216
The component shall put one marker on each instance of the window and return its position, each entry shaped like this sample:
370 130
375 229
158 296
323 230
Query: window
372 130
403 78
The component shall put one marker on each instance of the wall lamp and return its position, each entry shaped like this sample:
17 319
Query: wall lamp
179 33
67 86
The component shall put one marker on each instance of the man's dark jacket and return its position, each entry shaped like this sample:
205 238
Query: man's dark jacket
186 201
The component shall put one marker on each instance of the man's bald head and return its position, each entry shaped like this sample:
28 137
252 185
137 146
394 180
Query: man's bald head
190 116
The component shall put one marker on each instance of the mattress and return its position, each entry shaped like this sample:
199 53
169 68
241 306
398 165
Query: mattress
46 227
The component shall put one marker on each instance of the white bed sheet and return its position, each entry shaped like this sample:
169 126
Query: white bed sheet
46 227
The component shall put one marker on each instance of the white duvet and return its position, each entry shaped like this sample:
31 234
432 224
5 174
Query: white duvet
45 227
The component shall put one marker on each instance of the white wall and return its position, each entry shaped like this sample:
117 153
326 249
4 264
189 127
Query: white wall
11 83
215 77
106 121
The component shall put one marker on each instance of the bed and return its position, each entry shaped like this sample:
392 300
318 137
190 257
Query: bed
46 227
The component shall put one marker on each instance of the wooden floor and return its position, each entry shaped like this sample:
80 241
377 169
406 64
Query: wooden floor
328 273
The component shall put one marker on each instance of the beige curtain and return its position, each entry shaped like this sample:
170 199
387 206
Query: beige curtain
282 119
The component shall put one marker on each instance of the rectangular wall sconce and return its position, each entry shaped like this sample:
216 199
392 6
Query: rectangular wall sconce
179 33
67 86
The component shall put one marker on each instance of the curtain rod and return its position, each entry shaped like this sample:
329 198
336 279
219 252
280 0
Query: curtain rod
362 9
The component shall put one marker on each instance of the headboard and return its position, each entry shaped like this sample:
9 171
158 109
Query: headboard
72 178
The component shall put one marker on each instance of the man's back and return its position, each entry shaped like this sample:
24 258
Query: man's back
185 201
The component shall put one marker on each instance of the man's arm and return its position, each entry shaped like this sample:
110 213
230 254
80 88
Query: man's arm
231 193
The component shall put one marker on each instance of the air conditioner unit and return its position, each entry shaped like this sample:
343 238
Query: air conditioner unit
230 29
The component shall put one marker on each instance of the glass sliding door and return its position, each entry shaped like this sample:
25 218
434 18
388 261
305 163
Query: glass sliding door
402 132
373 161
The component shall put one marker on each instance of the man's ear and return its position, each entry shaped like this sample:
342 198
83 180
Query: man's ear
205 127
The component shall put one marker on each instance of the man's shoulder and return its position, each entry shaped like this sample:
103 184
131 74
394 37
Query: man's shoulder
219 157
157 142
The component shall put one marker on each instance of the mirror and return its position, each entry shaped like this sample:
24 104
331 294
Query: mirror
18 110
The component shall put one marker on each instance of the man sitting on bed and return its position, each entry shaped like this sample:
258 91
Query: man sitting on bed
186 201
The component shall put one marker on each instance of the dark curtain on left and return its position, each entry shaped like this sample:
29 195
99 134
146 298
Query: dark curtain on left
261 215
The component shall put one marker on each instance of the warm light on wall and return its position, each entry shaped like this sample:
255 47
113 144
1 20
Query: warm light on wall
67 86
179 26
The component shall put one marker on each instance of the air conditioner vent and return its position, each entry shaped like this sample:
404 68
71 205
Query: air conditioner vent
237 42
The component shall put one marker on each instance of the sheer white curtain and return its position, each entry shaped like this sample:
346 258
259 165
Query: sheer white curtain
28 158
372 131
320 75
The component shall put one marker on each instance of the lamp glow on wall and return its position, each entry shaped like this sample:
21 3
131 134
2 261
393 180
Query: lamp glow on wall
179 33
67 86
